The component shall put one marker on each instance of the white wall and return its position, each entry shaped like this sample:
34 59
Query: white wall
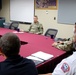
46 19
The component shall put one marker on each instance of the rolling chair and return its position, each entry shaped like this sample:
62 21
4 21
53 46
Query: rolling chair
51 33
7 24
14 25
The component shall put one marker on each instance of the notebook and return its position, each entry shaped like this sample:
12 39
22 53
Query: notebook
42 55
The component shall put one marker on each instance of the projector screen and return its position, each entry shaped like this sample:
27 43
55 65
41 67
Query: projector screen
67 11
22 10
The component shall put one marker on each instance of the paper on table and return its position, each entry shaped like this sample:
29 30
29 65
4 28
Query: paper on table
17 32
35 60
42 55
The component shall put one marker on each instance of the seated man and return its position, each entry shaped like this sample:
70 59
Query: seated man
14 64
36 27
64 45
68 65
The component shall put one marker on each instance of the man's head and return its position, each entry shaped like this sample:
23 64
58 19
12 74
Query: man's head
75 24
74 39
75 28
74 42
9 44
35 19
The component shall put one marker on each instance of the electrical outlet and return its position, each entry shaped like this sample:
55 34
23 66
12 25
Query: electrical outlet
54 18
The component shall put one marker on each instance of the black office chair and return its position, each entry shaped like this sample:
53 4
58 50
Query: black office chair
6 25
14 25
51 33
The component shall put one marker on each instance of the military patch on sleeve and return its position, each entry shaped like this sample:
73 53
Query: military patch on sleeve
65 67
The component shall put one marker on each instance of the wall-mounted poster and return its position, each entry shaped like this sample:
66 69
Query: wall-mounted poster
46 4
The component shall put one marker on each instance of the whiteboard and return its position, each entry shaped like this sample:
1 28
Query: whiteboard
22 10
67 11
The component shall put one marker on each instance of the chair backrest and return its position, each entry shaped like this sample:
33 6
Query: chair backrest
7 24
51 33
14 25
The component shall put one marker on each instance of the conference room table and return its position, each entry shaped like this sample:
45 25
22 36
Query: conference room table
32 43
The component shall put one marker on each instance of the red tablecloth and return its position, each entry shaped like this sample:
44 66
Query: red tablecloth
35 43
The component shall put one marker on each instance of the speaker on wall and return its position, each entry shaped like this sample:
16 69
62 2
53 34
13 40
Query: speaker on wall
0 4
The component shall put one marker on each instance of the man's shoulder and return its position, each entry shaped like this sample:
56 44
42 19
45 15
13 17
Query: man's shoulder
69 59
40 23
22 61
29 62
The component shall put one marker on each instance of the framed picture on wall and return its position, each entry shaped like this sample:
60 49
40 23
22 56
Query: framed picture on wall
46 4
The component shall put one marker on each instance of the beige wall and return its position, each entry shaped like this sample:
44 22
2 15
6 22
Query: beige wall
46 19
5 9
48 22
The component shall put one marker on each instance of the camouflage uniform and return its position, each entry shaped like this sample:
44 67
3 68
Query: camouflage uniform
66 45
36 28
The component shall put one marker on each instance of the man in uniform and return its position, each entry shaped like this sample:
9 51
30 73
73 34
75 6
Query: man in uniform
68 65
36 27
66 44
